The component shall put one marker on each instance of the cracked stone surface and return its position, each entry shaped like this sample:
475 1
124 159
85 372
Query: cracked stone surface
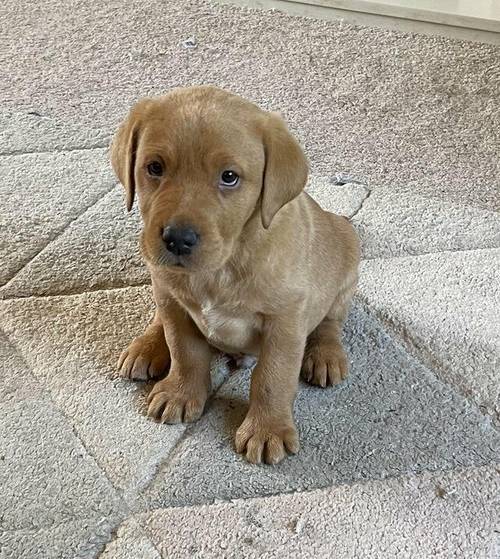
401 460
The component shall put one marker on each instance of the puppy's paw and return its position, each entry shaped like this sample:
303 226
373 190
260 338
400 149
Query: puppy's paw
169 402
146 357
266 440
324 364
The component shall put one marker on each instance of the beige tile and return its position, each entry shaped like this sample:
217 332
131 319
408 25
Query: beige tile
42 193
445 307
433 515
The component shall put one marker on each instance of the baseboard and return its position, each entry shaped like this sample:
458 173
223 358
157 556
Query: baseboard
310 8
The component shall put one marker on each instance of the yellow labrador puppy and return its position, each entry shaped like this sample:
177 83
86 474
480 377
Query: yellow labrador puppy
241 260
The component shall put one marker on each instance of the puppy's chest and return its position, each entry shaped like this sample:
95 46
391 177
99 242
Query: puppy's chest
227 323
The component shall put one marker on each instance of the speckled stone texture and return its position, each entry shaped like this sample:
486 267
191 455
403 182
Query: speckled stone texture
402 134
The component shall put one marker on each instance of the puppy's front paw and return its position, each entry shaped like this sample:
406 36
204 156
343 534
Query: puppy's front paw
264 439
172 402
324 364
146 357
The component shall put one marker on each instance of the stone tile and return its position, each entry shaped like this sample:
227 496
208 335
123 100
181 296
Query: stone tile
431 515
445 306
41 194
391 417
72 344
48 478
393 223
68 540
31 130
98 250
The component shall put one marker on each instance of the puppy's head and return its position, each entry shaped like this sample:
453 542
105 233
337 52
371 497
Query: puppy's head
202 163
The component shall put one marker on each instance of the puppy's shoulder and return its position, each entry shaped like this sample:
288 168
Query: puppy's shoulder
330 225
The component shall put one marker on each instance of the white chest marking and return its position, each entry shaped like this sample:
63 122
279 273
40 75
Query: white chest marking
228 328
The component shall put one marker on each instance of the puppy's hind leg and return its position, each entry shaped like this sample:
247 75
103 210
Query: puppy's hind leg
147 356
325 362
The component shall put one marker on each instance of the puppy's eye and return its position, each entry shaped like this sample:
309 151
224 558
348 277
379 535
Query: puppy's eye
155 169
229 179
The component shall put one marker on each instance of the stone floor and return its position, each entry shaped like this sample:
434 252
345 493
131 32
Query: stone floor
402 459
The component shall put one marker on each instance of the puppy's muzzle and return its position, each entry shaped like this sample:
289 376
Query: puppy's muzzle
180 241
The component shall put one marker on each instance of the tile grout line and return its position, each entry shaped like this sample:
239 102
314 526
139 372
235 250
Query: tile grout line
75 292
170 457
58 234
20 153
368 193
430 253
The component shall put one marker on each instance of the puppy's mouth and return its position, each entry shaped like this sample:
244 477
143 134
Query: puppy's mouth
177 265
175 262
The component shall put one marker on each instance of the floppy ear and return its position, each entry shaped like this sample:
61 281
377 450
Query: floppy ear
123 154
285 172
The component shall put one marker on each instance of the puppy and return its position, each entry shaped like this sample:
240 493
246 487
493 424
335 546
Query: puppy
241 260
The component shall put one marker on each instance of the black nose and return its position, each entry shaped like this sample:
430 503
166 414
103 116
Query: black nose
180 240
